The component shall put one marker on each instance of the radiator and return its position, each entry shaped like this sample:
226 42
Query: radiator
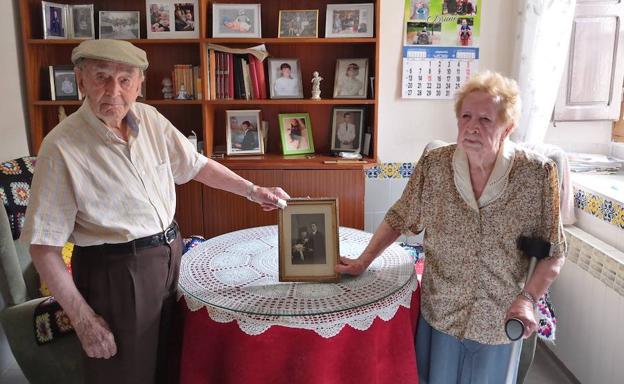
589 302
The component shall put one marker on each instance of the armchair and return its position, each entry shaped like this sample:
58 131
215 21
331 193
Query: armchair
56 362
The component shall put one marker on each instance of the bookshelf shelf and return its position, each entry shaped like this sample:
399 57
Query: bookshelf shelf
203 210
292 102
294 41
275 161
133 41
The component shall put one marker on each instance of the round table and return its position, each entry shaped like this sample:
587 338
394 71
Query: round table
242 325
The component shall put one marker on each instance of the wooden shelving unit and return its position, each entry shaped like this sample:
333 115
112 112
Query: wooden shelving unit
299 176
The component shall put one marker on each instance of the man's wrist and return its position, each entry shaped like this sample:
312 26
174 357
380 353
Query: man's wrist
251 187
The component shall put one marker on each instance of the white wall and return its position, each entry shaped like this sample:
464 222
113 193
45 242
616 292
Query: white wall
12 114
581 136
406 126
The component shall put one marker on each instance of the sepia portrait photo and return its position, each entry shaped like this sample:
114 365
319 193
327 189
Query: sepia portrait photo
308 240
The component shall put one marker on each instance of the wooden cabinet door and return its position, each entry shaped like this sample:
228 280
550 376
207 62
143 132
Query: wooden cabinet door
189 214
591 87
346 185
225 212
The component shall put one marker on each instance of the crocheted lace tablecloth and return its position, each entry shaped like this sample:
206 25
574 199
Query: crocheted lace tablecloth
235 278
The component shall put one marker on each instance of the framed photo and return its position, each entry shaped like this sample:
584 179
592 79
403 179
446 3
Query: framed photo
172 19
236 20
308 240
81 21
296 133
244 132
54 20
285 79
119 24
349 20
298 23
347 126
351 78
63 85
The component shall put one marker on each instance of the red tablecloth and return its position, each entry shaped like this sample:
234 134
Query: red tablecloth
221 353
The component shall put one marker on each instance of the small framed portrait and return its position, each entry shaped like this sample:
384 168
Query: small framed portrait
63 84
236 20
54 20
285 79
351 78
119 24
81 21
349 20
347 127
172 19
308 240
296 133
298 23
244 132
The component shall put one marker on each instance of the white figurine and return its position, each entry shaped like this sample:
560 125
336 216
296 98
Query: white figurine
182 94
316 86
167 89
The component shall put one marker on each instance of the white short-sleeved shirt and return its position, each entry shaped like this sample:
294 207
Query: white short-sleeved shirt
90 187
286 86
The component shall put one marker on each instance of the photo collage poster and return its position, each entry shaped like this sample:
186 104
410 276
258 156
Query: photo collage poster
440 47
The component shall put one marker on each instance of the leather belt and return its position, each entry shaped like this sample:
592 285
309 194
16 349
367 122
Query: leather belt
165 237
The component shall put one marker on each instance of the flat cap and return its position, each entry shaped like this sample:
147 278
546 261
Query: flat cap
118 51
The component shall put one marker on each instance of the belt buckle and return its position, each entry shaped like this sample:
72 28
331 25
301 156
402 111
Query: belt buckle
170 235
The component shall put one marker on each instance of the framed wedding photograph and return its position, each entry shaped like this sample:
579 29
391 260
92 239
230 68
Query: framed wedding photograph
119 25
63 84
308 240
285 79
351 78
236 20
54 20
349 20
298 23
244 132
172 19
81 24
296 133
347 127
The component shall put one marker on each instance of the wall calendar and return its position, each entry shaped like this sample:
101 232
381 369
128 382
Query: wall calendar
440 47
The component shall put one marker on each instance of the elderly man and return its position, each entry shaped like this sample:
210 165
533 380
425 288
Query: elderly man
105 180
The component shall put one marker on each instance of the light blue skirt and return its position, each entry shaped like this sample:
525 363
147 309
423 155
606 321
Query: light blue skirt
445 359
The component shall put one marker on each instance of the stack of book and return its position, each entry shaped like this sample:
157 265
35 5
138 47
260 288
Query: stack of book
236 73
188 76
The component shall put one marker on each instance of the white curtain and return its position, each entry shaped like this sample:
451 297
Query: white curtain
541 51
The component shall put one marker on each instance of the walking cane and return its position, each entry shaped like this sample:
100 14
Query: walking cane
537 249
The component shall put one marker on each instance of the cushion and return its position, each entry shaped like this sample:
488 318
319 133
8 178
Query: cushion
15 178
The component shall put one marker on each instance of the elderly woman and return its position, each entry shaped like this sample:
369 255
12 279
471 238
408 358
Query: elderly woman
474 199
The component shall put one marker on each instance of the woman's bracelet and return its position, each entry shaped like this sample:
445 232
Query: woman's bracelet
527 296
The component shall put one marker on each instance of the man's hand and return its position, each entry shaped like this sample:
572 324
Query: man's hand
522 310
95 336
353 267
268 197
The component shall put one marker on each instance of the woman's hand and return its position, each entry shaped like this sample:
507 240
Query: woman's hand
522 310
353 267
